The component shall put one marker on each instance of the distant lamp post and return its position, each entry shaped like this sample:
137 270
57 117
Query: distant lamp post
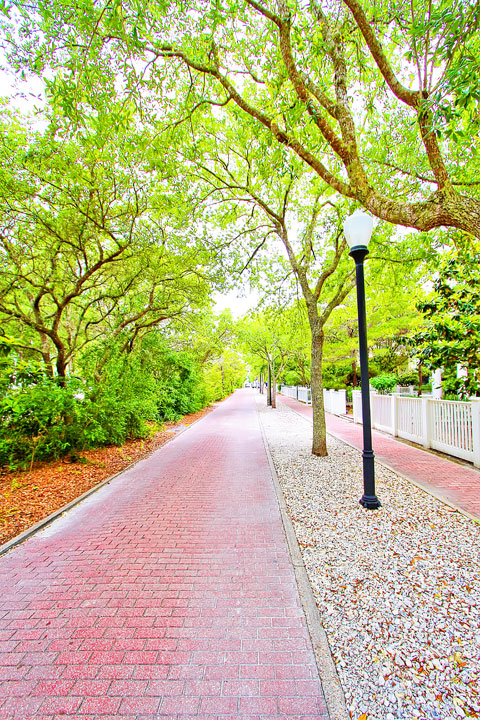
358 230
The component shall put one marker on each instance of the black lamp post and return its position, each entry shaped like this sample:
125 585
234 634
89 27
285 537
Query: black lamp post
358 231
269 388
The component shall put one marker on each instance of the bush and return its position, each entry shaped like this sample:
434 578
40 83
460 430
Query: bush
337 375
331 385
291 377
44 418
387 361
384 383
179 387
38 421
408 378
49 420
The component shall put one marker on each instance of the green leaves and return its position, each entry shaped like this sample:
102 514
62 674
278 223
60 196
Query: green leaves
451 331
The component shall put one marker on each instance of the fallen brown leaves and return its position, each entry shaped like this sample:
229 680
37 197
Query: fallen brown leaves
28 497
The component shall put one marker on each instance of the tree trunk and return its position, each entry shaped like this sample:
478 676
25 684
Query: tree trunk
61 368
274 389
420 379
223 380
319 444
354 372
303 373
47 359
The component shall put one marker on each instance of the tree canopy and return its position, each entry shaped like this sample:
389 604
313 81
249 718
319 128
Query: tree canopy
178 150
378 100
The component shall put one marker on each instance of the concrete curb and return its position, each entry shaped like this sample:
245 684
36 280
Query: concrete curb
437 494
332 687
65 508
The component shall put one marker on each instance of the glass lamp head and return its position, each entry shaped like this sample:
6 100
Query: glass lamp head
358 229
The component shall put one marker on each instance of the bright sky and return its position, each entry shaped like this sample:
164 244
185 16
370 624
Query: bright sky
237 305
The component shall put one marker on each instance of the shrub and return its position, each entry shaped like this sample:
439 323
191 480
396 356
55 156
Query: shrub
331 385
384 383
38 421
42 417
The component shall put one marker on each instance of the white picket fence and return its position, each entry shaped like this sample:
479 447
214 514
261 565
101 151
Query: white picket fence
448 425
297 392
335 401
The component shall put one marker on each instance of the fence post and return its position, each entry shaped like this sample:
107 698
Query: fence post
394 414
356 403
437 390
373 409
426 423
475 402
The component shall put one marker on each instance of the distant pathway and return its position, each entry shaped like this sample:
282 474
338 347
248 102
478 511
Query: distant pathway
456 483
167 593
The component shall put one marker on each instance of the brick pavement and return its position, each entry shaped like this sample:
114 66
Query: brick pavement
167 593
454 482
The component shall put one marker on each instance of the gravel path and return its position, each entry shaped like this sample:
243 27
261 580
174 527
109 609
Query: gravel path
398 588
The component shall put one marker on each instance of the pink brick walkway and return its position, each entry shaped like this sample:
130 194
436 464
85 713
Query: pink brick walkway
168 593
454 482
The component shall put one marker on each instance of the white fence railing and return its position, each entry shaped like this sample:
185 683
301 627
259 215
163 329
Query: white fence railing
304 394
289 391
448 425
297 392
335 401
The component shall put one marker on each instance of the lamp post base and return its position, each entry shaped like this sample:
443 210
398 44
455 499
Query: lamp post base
371 502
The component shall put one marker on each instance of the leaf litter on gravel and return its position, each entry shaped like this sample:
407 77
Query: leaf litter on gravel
398 588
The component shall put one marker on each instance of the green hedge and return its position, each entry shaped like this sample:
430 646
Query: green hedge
44 418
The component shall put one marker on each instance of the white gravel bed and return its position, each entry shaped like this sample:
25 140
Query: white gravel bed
398 588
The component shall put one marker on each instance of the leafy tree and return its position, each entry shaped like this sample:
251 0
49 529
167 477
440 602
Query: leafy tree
450 331
269 336
223 374
212 341
86 249
392 290
277 227
209 335
297 367
379 101
100 265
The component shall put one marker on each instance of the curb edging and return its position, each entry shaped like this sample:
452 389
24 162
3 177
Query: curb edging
437 494
331 685
18 539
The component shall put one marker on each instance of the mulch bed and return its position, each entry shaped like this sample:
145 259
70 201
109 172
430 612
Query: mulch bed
28 497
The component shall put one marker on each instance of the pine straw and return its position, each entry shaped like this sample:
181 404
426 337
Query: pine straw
28 497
